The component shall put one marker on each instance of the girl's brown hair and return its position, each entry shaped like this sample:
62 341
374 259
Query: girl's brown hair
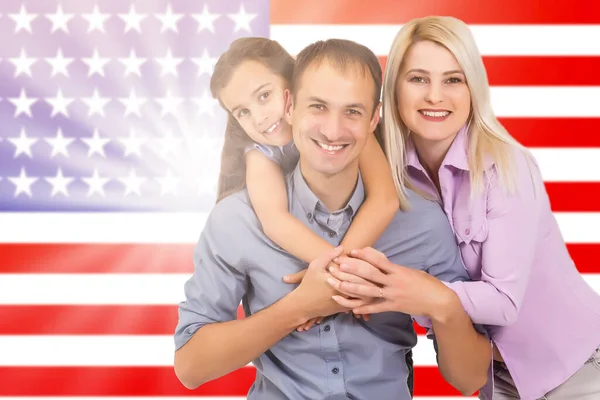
232 176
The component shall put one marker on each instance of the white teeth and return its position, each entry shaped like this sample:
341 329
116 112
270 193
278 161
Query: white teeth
437 114
273 127
329 148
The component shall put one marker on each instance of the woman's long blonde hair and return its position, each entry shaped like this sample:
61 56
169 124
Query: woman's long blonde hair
486 136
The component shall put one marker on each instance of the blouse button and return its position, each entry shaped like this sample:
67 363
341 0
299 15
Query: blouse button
467 231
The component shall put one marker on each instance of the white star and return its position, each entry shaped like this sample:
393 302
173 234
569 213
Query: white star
168 183
169 104
169 64
59 20
242 19
59 144
23 19
59 104
59 63
133 144
23 64
95 64
23 144
60 183
132 63
96 144
207 181
132 183
22 103
132 20
169 20
206 104
96 20
23 183
96 183
95 103
205 63
206 20
168 144
133 103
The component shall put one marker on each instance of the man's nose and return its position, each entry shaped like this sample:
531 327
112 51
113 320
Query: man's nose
332 127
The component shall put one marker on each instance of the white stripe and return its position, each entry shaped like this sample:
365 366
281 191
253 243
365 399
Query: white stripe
118 350
555 101
498 40
569 165
110 289
184 228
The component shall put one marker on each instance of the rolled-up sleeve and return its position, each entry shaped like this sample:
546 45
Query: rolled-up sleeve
218 283
507 252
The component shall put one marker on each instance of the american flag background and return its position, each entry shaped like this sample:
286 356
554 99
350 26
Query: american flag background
109 156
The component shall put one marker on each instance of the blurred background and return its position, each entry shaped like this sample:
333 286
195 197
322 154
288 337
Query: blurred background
109 158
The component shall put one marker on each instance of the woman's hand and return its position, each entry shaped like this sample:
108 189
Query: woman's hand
376 285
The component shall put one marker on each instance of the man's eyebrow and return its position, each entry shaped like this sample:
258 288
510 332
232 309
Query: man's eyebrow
352 105
258 89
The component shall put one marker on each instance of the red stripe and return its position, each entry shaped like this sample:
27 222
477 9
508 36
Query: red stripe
574 196
96 258
90 320
154 381
470 11
65 258
554 132
539 71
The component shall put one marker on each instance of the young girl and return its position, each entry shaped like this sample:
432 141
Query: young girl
251 80
442 138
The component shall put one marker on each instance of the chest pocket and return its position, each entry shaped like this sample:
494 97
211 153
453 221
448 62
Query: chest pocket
471 230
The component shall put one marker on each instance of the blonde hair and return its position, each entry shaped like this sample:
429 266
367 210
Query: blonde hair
486 136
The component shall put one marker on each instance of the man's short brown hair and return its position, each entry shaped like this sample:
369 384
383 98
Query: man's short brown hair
341 54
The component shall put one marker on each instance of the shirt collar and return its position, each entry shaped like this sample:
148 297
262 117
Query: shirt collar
457 156
309 200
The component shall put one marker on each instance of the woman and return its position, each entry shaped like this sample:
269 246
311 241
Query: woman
443 140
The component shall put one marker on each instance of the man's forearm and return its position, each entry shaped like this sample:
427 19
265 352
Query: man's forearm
220 348
464 355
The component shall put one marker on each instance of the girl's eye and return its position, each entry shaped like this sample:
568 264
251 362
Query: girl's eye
264 96
454 80
243 112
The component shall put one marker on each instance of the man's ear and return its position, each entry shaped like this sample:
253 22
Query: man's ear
288 101
375 118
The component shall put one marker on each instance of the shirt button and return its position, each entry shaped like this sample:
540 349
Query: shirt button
335 370
327 328
331 234
467 231
309 216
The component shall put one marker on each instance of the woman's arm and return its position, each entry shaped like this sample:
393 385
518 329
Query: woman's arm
507 253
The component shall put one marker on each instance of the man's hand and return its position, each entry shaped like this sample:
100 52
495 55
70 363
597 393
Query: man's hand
314 294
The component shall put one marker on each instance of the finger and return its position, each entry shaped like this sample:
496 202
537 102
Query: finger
348 303
325 259
338 285
358 290
344 276
319 320
374 257
373 308
295 278
363 270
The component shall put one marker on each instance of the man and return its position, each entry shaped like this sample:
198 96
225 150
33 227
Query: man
335 105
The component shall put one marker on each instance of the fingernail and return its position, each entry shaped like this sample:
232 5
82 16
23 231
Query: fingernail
331 281
344 267
336 260
354 252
